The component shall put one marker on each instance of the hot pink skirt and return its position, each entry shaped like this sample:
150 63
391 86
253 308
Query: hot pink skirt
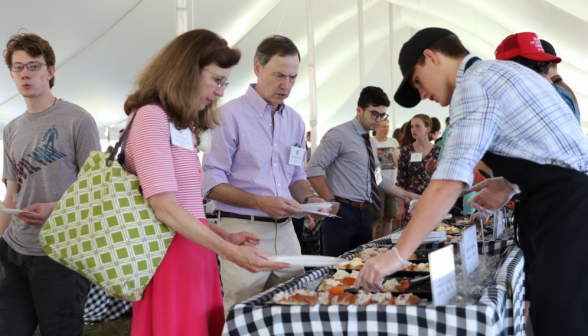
184 297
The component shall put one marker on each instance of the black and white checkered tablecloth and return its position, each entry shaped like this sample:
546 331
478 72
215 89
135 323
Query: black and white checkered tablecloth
500 310
102 307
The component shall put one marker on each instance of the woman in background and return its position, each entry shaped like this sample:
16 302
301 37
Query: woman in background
413 158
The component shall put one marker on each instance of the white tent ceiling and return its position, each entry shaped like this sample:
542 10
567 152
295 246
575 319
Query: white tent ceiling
101 45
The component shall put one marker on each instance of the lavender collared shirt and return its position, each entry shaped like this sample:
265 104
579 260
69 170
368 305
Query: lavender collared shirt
250 153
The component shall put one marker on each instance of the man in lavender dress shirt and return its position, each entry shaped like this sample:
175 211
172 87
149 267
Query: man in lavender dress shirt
248 172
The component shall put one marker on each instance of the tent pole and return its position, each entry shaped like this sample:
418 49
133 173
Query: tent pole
392 61
181 17
311 76
361 51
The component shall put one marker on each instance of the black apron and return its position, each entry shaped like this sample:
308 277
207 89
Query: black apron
554 237
553 231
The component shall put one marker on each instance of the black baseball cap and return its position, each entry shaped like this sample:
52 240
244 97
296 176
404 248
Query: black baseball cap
548 48
406 95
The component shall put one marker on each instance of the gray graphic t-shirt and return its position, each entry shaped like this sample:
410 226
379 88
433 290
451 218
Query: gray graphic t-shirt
43 153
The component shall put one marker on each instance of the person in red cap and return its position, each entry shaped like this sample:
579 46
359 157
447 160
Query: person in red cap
554 75
523 48
520 127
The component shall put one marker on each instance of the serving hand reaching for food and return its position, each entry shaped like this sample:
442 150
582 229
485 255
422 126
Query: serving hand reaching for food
436 201
493 194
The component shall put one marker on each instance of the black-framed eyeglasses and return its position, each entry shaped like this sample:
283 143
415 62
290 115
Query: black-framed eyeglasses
32 66
382 116
219 79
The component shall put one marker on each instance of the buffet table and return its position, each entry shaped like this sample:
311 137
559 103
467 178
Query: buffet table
499 311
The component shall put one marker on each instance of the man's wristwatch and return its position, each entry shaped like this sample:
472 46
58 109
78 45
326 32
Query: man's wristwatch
307 198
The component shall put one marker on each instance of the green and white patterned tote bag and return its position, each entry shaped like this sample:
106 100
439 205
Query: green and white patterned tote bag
104 229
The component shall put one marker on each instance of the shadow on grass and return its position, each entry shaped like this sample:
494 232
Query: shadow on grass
118 327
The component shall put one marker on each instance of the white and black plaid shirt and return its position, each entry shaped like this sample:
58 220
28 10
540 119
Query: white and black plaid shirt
509 110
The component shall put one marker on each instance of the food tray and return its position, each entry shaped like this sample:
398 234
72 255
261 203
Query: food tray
403 275
408 274
418 289
422 290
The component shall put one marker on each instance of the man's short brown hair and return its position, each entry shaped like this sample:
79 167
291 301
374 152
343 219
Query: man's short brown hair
275 45
448 45
33 45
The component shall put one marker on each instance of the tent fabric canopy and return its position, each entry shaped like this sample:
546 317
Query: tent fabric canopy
100 46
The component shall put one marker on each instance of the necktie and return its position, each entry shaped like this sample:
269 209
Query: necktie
374 189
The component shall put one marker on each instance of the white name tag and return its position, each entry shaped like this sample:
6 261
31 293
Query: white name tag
296 156
181 138
416 157
378 174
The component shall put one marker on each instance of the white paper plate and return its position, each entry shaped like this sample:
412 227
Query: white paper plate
13 211
308 212
316 206
309 260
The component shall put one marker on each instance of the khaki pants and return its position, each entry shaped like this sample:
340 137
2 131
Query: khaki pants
276 239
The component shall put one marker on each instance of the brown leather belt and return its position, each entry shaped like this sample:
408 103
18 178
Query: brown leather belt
362 206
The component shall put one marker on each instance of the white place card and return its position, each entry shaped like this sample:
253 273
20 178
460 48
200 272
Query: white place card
470 261
469 250
442 267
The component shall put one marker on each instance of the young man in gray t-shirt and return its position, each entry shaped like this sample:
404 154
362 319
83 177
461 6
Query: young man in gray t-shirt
44 149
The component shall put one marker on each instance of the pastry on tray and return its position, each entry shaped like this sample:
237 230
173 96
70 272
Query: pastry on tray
407 299
353 264
360 299
364 299
392 285
346 283
422 267
340 274
450 229
370 252
303 297
452 239
329 283
299 297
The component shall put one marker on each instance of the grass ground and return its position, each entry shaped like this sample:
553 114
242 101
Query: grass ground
119 327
